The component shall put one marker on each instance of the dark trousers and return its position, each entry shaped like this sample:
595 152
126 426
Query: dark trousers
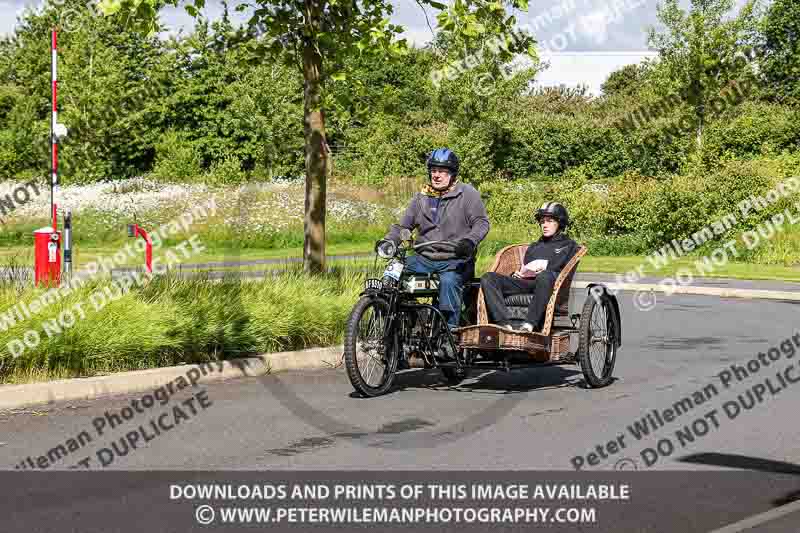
496 287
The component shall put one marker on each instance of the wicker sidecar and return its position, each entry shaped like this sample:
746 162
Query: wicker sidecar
598 327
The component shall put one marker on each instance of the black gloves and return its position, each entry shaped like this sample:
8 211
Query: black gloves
465 248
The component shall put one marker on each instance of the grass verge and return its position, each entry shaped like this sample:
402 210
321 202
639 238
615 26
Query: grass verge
97 328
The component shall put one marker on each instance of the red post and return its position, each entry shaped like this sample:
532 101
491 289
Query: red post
47 241
135 231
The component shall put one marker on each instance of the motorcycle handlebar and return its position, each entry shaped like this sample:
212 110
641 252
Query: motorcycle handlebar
428 243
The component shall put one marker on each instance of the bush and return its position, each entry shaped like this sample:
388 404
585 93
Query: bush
388 147
10 159
228 171
752 130
544 144
638 214
177 159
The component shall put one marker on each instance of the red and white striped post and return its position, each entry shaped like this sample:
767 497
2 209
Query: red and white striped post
53 136
47 240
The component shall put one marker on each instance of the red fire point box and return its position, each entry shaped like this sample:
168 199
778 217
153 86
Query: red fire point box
47 244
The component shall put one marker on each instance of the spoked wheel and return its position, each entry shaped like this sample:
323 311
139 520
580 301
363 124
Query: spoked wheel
370 362
598 341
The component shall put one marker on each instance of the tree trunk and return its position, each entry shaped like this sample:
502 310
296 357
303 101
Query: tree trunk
317 156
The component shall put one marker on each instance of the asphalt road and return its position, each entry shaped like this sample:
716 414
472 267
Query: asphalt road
534 419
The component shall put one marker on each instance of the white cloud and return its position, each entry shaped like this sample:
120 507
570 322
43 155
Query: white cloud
594 26
585 68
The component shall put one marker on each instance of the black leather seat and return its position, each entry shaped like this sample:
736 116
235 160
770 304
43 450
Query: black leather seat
517 305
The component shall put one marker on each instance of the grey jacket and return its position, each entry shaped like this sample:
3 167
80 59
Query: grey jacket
462 215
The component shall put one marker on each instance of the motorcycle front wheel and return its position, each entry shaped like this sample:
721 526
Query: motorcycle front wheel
370 360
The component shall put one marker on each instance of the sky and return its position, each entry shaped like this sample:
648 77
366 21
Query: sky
583 41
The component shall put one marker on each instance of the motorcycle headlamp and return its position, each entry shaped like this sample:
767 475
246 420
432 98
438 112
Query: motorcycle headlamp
387 250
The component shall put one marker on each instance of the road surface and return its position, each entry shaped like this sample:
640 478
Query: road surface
528 420
541 418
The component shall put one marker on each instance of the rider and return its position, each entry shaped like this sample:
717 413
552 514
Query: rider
555 248
445 210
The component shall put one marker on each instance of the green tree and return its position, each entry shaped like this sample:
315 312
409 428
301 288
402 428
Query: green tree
318 36
222 108
106 77
698 50
781 61
624 80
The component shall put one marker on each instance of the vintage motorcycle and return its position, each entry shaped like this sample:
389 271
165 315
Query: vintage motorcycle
396 324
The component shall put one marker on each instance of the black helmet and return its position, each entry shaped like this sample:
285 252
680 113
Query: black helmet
444 157
555 210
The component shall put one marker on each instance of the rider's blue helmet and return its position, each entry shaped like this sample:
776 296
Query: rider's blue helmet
444 157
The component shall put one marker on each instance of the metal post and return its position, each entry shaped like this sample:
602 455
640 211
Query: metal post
68 243
135 231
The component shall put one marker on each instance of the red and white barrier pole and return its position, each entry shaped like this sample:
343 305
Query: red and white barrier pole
53 136
47 240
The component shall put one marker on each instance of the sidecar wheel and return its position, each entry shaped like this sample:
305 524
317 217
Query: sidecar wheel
597 350
371 363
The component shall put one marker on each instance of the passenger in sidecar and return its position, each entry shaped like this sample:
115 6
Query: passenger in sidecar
532 285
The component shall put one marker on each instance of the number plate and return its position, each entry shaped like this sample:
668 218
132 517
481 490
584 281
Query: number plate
394 270
373 284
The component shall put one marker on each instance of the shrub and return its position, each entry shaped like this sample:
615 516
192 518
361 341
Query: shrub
10 159
177 159
752 130
388 147
227 171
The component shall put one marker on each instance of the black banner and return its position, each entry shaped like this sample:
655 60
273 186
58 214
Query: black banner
398 501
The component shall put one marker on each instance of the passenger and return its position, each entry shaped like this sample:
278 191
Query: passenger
542 265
